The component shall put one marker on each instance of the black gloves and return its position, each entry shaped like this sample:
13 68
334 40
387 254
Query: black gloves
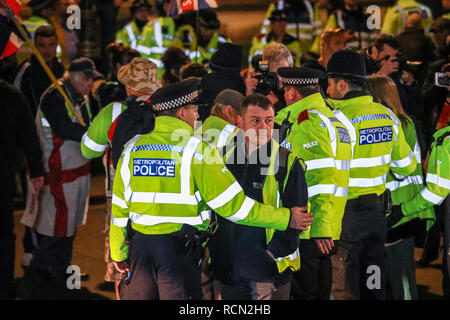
395 216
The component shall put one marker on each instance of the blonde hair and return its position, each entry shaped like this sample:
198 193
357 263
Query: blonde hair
218 110
275 51
384 91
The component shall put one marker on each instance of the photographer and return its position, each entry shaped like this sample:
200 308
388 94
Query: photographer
265 80
385 59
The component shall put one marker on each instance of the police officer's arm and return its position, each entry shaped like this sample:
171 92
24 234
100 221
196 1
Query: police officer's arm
437 182
315 148
223 194
403 161
295 194
54 109
119 218
95 140
296 190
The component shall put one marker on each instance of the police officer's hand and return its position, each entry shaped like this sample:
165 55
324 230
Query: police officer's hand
394 217
122 267
325 245
301 219
388 66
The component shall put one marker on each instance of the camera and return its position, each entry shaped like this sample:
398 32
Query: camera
441 79
404 64
267 81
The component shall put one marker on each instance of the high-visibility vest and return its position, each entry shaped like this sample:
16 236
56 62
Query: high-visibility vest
129 35
364 37
308 24
323 142
96 142
397 15
271 196
188 39
437 178
163 180
405 189
217 131
156 38
260 42
63 201
378 144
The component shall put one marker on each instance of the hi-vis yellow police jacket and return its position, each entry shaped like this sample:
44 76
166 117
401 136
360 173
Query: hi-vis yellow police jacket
168 178
323 142
378 143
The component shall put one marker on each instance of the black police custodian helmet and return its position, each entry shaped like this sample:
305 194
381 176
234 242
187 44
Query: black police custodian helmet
139 4
347 64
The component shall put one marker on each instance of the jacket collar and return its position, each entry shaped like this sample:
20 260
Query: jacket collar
167 124
310 102
72 93
355 93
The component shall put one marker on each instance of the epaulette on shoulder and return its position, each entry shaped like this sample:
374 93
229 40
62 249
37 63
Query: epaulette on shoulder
204 139
440 140
303 116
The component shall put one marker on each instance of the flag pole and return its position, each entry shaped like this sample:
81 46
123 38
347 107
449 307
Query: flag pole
197 31
43 64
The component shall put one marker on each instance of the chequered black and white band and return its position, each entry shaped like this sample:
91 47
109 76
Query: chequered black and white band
178 102
299 81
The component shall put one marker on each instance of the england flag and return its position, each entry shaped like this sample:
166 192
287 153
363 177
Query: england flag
10 39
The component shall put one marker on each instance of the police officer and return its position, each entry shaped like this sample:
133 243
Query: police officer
397 15
163 185
323 142
435 193
220 127
378 145
350 17
303 18
278 24
156 38
139 79
132 32
202 46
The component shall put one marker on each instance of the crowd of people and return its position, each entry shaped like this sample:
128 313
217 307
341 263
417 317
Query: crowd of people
309 170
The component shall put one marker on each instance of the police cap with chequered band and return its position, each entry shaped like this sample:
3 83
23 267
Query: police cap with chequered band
299 76
176 95
346 63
